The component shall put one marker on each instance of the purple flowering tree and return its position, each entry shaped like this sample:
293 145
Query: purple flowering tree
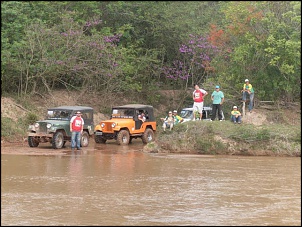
194 61
64 56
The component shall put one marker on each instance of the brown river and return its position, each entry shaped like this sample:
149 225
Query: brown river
116 185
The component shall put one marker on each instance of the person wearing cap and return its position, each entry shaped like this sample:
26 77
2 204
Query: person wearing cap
178 119
248 90
198 97
218 98
168 121
236 115
76 129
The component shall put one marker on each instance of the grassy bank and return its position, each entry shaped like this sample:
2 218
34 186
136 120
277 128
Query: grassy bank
205 137
202 137
278 135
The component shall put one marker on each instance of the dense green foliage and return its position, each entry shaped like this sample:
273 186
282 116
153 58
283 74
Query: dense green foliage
142 46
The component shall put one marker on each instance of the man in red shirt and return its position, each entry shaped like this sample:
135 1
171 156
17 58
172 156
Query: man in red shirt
198 96
76 129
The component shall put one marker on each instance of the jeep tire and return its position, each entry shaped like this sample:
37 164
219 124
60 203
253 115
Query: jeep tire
57 140
123 137
148 136
32 141
84 139
99 139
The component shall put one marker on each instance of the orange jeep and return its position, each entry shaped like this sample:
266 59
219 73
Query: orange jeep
124 125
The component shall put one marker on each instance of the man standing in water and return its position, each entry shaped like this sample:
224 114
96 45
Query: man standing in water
198 97
76 129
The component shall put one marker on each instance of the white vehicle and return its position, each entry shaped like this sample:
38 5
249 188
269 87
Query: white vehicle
187 113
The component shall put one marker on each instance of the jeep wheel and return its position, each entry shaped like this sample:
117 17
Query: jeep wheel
84 139
63 143
57 140
148 136
123 137
32 141
99 139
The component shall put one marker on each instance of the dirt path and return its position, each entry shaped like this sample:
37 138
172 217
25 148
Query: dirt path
22 148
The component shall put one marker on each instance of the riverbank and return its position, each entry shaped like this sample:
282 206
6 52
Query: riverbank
227 138
264 132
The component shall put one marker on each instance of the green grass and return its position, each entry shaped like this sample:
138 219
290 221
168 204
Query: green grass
10 129
216 137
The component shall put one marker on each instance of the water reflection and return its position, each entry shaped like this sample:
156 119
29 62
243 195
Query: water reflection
121 185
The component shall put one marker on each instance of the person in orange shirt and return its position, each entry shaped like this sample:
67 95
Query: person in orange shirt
76 129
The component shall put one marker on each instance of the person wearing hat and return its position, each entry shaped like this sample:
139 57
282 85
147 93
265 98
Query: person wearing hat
236 115
168 121
178 119
76 129
198 97
218 98
248 90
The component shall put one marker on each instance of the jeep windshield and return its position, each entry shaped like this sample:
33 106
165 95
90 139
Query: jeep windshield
186 113
58 114
122 113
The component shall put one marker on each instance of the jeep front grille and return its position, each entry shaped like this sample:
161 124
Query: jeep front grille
107 127
42 127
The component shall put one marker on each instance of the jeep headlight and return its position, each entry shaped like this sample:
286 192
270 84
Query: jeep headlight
48 125
113 125
36 125
103 125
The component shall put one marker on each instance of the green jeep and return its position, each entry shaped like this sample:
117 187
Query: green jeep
56 127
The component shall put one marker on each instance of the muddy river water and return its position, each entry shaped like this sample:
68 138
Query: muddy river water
123 186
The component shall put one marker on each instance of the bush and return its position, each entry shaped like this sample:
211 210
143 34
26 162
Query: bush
10 128
30 118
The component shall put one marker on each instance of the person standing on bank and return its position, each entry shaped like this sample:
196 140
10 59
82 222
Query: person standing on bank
198 97
218 98
248 90
76 129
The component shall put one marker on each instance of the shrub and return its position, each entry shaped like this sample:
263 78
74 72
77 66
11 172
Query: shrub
31 118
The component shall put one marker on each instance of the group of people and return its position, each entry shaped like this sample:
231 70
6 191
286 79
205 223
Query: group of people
171 119
247 90
217 98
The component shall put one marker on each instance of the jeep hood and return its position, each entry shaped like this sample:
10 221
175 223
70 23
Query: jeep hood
117 120
55 122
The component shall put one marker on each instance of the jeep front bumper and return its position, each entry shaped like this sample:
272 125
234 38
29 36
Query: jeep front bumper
40 134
